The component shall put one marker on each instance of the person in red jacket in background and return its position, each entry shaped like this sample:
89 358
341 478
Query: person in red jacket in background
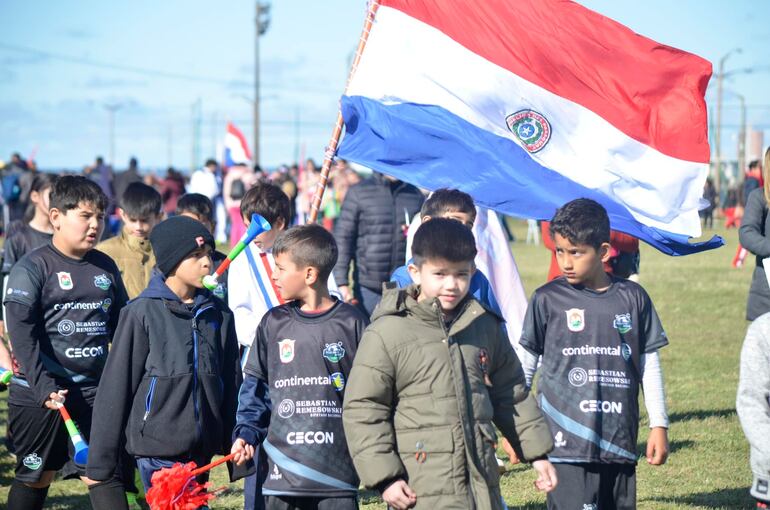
623 262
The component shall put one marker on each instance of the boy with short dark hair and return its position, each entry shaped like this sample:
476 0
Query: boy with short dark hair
199 207
598 336
171 380
455 205
433 376
301 357
62 304
140 211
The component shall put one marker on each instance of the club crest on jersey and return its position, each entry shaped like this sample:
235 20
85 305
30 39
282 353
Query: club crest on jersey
334 352
622 323
33 461
576 320
65 280
101 281
531 128
286 350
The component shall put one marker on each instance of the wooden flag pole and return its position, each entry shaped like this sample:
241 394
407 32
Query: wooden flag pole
331 150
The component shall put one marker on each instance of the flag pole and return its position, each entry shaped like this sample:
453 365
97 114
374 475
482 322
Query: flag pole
331 150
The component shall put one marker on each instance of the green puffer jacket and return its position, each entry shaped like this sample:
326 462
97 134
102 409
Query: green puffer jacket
417 405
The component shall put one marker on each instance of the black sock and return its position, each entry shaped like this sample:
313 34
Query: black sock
108 495
24 497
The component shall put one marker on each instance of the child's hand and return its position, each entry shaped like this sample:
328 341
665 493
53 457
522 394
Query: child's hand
56 399
399 496
242 450
546 476
657 446
508 449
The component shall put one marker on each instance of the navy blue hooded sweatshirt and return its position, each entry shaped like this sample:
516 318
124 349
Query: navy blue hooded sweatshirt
170 385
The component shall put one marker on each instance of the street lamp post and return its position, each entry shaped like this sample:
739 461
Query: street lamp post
262 22
111 109
718 134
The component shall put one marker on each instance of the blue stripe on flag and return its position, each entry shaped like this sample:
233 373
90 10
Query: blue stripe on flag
431 147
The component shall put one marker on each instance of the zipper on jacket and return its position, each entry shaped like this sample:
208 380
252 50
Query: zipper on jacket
148 399
195 371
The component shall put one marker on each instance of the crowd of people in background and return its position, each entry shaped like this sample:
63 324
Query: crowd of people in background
225 187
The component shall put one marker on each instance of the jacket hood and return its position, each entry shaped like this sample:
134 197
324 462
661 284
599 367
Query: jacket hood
404 302
157 289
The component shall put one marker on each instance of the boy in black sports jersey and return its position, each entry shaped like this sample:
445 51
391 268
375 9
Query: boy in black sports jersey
62 304
171 381
599 338
302 355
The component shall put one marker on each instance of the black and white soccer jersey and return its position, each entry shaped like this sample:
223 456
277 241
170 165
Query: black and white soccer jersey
70 309
306 359
591 343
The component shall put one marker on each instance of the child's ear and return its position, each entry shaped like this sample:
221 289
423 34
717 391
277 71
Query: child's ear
414 272
311 275
279 224
605 251
54 216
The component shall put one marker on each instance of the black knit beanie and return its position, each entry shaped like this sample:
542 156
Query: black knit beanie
173 239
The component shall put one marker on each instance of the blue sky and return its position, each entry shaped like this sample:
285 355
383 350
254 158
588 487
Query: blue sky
62 62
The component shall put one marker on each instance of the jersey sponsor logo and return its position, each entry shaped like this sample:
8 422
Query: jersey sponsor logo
102 281
577 377
317 437
601 406
316 408
84 352
576 319
286 350
65 327
76 305
16 292
622 323
592 350
590 506
558 440
334 352
65 280
320 380
286 408
276 474
338 380
609 378
33 461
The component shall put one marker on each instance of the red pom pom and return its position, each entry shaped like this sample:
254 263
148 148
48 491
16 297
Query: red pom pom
175 488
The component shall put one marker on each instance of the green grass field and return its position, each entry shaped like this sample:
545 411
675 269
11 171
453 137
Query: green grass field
701 301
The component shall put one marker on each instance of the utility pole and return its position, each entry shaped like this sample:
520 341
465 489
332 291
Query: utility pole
170 145
742 140
718 137
111 109
262 22
197 107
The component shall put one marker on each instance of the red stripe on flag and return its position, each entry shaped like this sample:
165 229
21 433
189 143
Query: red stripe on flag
651 92
237 133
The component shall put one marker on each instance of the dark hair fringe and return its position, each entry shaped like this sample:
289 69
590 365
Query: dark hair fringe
196 203
443 238
141 201
309 246
69 191
267 200
582 221
447 200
